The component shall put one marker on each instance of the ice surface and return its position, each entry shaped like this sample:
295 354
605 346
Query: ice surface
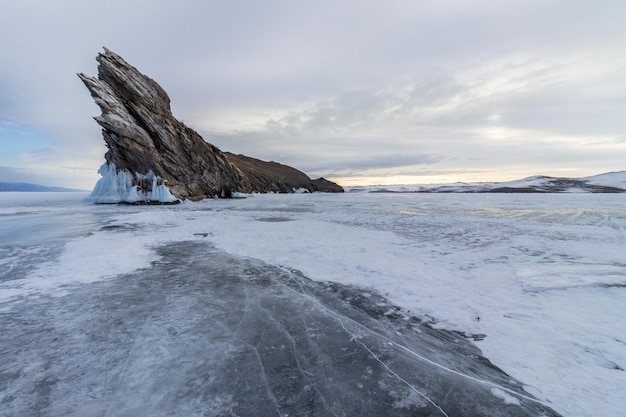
537 279
203 333
116 186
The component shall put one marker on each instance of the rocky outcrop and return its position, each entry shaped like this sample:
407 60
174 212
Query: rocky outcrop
324 186
149 148
271 176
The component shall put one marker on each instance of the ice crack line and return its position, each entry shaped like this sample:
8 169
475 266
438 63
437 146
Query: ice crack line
248 308
353 337
294 350
265 379
332 314
478 380
124 368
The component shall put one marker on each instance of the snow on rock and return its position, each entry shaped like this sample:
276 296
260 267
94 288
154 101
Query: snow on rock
609 179
120 186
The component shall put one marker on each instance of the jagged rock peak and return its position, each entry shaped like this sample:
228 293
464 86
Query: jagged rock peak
148 147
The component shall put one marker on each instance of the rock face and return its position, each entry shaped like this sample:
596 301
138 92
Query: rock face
279 178
154 156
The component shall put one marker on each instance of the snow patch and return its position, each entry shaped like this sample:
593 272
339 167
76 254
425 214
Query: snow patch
83 261
610 179
507 398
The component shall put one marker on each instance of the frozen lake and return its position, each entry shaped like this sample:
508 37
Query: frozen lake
314 305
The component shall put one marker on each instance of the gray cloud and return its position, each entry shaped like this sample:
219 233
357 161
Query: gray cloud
336 87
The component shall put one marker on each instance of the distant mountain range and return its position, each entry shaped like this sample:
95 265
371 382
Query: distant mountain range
23 186
612 182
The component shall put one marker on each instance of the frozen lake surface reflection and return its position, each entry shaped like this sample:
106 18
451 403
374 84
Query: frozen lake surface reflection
204 333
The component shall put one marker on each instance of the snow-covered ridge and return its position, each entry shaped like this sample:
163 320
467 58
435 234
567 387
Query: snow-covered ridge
612 182
116 186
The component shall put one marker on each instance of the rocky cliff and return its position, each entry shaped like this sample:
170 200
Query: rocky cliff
153 156
279 178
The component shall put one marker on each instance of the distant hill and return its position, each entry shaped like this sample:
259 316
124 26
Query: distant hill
611 182
26 187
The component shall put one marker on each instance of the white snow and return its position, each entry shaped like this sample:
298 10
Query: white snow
507 398
116 186
611 179
542 276
84 260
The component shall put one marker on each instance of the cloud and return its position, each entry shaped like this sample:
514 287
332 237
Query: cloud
471 116
335 86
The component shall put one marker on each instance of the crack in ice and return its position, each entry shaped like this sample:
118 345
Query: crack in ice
126 363
354 337
418 392
268 390
302 371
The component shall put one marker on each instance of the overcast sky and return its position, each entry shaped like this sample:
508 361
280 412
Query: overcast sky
357 91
